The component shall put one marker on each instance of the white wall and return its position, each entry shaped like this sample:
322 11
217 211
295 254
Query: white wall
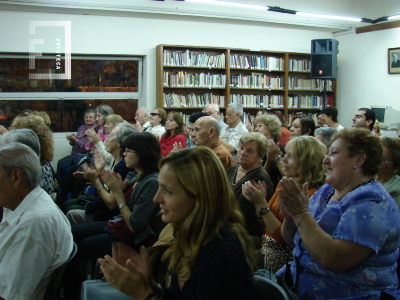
363 73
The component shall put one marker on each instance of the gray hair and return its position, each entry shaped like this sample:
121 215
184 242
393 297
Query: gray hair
145 111
125 130
105 110
327 133
237 108
19 156
25 136
214 124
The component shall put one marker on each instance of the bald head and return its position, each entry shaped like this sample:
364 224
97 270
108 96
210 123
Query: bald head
213 111
206 132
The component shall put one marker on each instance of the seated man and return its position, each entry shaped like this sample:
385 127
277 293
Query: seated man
330 115
206 133
35 237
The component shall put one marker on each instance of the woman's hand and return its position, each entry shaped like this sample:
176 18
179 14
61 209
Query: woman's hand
294 200
177 146
92 136
99 161
256 193
250 127
274 151
87 173
138 126
112 180
71 137
132 278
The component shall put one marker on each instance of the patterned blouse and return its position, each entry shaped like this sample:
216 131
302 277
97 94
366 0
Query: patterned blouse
367 216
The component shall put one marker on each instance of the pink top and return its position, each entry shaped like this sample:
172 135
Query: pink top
102 136
168 144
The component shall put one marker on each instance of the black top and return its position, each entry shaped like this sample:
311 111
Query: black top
253 226
221 272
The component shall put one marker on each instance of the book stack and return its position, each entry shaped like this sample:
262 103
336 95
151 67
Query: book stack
309 84
192 100
299 65
257 62
261 101
193 59
203 80
256 81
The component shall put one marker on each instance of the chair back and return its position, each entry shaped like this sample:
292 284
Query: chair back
264 288
54 287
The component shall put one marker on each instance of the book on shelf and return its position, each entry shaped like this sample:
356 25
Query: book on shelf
248 119
300 65
256 81
193 59
192 100
312 115
184 79
261 101
309 84
257 62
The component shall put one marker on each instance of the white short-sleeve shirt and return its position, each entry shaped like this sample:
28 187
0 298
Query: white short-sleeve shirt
232 136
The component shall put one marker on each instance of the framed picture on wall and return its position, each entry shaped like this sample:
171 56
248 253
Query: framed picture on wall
394 60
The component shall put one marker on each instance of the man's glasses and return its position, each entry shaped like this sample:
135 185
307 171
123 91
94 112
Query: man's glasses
154 114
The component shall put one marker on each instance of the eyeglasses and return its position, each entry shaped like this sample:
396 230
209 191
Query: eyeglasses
386 161
154 114
259 126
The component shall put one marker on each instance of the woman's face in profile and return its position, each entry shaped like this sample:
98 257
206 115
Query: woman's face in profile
99 119
175 203
295 130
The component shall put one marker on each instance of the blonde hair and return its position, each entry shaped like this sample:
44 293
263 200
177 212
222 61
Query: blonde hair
309 154
43 115
215 208
273 124
260 139
115 119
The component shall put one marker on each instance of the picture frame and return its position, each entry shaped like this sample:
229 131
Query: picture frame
394 60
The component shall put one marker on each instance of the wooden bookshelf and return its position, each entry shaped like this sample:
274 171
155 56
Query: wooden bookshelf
193 76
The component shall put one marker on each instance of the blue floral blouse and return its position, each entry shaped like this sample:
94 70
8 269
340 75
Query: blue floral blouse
367 216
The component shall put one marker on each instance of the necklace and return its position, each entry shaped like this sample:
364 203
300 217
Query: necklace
354 188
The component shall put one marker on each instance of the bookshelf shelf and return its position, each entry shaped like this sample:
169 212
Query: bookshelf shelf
291 69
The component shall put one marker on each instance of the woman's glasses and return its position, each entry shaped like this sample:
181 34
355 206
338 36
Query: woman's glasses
154 114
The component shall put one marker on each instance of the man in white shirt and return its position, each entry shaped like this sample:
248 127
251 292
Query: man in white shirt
213 111
35 236
142 119
232 133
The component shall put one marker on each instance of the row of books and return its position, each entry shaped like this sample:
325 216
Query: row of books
302 65
184 79
257 62
192 100
193 59
312 115
262 101
256 81
308 101
309 84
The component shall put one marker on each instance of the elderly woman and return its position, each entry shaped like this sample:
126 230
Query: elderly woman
324 135
303 161
45 136
79 140
252 148
390 166
102 112
302 126
158 117
174 133
270 127
210 257
347 236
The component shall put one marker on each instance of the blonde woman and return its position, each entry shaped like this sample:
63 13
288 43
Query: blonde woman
303 161
210 257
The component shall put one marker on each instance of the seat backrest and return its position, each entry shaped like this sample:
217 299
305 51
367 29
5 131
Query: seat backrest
54 287
264 288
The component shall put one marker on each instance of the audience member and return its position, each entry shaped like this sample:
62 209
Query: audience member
24 136
390 166
320 120
324 135
347 233
206 133
261 112
377 129
136 224
302 126
44 116
210 257
192 119
285 133
213 111
79 140
252 148
270 127
35 237
158 116
174 133
102 111
364 118
45 136
142 119
232 133
303 161
330 114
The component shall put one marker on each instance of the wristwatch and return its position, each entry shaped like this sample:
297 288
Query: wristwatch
122 205
278 159
263 210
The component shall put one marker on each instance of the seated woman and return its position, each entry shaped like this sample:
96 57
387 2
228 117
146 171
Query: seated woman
390 166
252 148
303 161
136 224
115 146
45 136
158 116
302 126
210 257
174 133
102 112
80 139
270 127
347 236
